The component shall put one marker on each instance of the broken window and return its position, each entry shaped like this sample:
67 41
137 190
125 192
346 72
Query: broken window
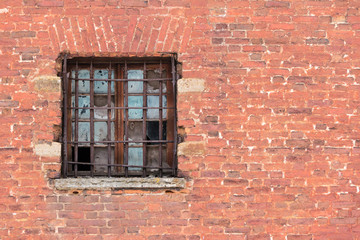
119 117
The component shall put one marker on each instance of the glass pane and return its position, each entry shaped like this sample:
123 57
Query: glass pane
101 156
153 86
151 74
84 86
101 101
102 86
135 157
153 101
100 129
153 156
84 101
152 130
135 132
83 132
135 101
135 86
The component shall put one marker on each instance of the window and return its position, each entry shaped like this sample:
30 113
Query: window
119 117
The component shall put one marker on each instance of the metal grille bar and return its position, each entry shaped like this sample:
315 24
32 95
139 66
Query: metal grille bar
65 115
126 150
144 119
92 132
138 141
121 108
173 71
124 79
160 121
76 148
109 120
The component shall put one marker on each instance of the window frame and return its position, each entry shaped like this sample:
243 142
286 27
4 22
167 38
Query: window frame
120 66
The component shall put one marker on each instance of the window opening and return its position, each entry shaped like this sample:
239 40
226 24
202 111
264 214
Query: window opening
119 117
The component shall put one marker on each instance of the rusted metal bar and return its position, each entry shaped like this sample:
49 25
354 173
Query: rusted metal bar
120 108
76 149
160 122
173 71
117 165
126 121
144 119
124 79
116 60
92 133
138 141
109 121
65 120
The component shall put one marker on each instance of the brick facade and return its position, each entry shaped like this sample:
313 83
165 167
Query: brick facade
268 108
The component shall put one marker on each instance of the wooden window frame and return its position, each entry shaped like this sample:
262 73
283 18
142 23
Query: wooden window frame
120 166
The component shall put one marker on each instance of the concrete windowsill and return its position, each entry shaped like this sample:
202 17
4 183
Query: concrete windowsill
118 183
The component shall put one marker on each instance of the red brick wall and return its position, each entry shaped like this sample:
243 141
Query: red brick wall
272 144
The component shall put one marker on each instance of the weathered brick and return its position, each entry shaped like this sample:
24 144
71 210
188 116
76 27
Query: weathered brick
47 84
241 26
23 34
299 110
317 41
48 150
216 222
299 237
300 143
9 104
191 85
134 3
191 148
277 4
50 3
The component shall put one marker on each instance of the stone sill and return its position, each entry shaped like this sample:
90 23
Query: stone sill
118 183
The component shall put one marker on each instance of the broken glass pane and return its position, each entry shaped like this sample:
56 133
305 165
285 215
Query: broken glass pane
84 86
102 86
135 86
84 101
135 101
152 130
135 157
153 101
100 129
153 86
101 156
101 101
135 132
83 156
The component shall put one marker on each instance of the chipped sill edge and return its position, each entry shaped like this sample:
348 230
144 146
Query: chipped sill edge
87 183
